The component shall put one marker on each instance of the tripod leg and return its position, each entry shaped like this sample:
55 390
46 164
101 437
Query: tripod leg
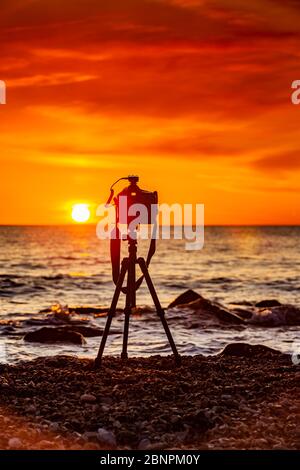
130 297
112 311
127 313
159 309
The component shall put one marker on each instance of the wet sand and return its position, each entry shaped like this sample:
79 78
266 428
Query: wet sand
248 397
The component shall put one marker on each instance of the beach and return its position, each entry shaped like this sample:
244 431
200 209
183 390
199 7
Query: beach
236 327
247 397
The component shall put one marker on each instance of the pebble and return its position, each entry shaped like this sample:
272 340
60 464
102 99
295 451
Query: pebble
144 444
107 437
31 409
151 412
105 408
15 443
88 398
45 444
53 427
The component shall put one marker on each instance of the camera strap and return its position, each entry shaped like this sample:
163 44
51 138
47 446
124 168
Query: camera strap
115 254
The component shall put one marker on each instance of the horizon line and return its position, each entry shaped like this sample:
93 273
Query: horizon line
94 224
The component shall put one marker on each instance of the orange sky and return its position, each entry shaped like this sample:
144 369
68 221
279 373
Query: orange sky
192 95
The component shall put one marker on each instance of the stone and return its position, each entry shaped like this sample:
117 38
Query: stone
217 310
15 443
292 316
198 420
185 298
247 350
87 331
88 398
54 335
44 444
144 444
268 303
54 427
276 316
105 408
31 409
107 437
243 313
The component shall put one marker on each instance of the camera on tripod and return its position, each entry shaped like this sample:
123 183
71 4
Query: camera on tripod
134 203
131 201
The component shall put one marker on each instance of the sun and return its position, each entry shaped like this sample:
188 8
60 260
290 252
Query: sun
81 213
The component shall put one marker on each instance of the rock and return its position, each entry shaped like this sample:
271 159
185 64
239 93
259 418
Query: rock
15 443
44 444
198 420
276 316
247 350
292 315
268 303
54 335
88 398
87 331
3 383
144 444
185 298
31 409
54 427
241 312
214 309
106 400
91 331
105 408
107 437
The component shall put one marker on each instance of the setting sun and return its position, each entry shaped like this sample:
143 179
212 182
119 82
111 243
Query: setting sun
81 213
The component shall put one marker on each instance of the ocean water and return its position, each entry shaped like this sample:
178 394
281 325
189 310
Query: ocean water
42 266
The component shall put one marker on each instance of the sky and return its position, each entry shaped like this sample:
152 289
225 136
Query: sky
194 96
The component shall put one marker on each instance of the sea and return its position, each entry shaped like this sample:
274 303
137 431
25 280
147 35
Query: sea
42 266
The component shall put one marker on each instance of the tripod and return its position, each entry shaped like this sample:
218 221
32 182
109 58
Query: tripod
128 267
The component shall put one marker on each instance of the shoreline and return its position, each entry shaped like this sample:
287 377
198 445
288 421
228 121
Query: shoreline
76 329
247 397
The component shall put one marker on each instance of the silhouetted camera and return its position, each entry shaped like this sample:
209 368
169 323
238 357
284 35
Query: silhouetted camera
133 206
133 202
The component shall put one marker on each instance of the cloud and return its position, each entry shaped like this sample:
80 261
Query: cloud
53 79
279 162
150 58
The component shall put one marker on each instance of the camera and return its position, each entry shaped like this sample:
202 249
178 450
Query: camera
135 203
